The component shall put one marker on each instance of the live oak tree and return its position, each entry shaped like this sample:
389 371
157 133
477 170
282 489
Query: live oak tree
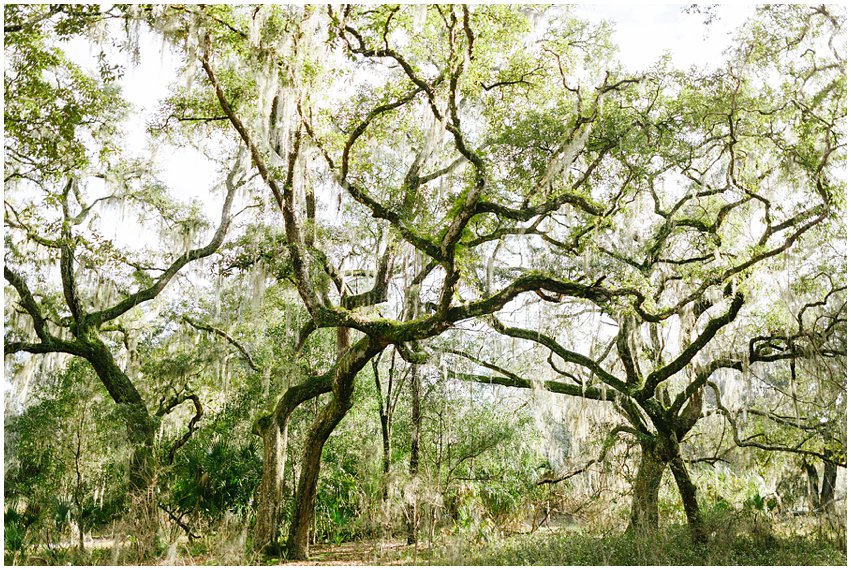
713 188
71 288
436 189
628 194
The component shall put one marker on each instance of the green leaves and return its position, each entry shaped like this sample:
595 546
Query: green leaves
53 106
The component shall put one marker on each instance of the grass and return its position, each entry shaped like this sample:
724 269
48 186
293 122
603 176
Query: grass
733 541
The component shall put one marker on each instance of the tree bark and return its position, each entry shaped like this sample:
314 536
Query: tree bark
828 487
414 468
645 493
386 426
812 485
305 499
271 486
385 455
274 430
688 493
344 375
141 426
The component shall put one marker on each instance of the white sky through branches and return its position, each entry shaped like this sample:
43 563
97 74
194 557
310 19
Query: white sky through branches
643 33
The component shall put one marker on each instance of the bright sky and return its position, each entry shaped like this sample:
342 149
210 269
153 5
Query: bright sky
645 32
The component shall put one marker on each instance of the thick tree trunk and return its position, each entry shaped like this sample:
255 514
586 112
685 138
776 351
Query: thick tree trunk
303 509
688 493
143 492
828 487
414 468
274 429
141 429
812 485
271 486
344 374
645 491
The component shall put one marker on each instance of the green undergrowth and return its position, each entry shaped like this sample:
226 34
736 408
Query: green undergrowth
671 547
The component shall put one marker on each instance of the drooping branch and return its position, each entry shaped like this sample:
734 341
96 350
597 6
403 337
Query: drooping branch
219 332
28 303
166 407
750 441
135 299
178 520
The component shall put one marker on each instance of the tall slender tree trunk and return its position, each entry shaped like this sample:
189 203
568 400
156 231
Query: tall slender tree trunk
385 456
414 468
688 493
384 409
386 421
645 492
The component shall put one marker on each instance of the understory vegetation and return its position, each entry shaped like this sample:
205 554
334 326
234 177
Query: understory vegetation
421 284
732 543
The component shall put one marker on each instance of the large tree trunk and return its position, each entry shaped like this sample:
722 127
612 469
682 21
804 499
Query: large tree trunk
645 491
141 429
414 468
274 429
828 487
141 426
271 486
688 493
812 485
305 498
344 374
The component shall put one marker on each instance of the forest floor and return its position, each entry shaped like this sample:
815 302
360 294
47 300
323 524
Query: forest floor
365 552
733 540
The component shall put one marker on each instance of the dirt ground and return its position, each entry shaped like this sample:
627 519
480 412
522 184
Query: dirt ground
362 553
